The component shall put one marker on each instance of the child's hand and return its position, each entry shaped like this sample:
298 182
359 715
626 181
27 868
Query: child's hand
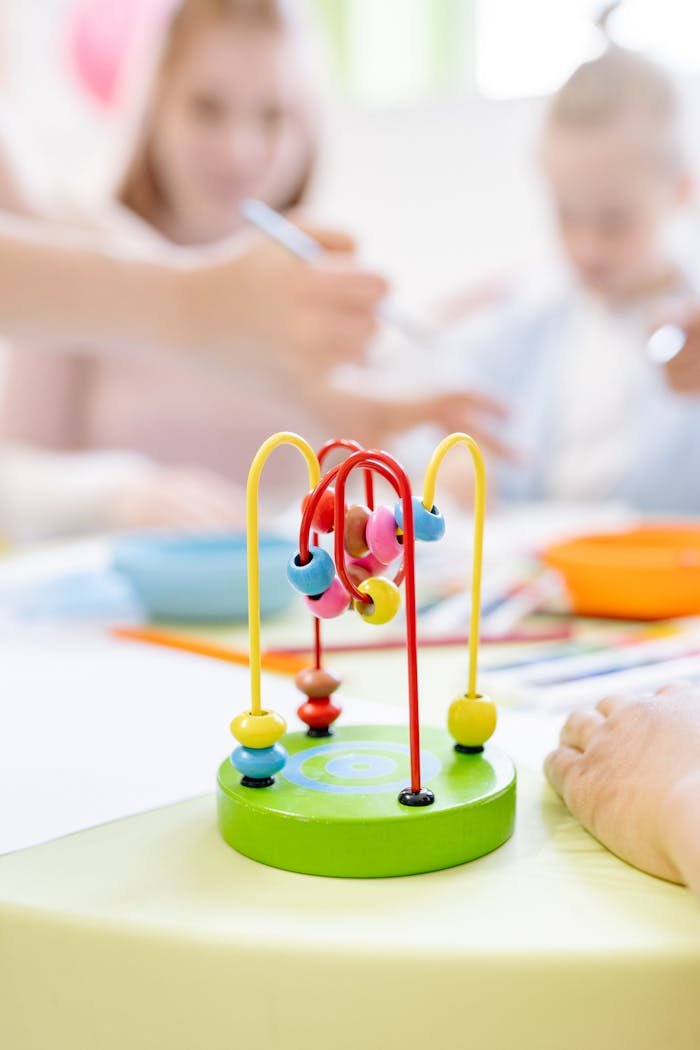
679 320
284 319
630 772
683 370
374 420
187 499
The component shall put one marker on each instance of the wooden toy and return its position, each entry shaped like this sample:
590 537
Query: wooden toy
363 801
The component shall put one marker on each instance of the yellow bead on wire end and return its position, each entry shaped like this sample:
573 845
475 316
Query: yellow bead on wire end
258 731
385 600
471 720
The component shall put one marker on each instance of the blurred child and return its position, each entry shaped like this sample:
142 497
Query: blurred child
229 114
593 416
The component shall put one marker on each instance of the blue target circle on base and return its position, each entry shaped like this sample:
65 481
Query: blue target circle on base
360 766
368 767
334 809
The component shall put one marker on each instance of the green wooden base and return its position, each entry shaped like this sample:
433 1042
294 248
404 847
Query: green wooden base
334 809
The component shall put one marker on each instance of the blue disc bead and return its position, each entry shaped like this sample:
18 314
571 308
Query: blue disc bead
428 525
258 763
316 576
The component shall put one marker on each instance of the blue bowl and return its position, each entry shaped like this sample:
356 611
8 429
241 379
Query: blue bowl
202 577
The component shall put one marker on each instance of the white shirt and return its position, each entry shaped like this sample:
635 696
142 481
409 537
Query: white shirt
602 374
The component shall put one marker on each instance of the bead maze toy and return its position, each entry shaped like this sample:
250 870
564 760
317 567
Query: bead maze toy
363 801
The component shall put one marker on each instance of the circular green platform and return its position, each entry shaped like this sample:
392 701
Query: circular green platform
334 810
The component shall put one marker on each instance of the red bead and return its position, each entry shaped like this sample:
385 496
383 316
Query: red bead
356 519
316 682
324 514
319 713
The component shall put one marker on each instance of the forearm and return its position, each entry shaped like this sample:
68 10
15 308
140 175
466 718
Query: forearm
682 830
249 302
47 493
76 293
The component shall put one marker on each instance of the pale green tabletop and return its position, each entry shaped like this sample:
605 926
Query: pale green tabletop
150 932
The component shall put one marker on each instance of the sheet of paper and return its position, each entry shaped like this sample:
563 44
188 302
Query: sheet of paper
95 729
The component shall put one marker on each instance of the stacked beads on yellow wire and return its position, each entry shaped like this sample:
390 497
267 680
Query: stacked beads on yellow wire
260 755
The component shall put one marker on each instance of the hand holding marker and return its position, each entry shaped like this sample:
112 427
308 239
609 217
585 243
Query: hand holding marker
664 344
285 233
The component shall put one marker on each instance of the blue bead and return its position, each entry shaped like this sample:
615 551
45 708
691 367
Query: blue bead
316 576
428 525
259 763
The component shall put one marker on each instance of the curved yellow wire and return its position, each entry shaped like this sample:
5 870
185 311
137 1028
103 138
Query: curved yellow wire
252 489
429 485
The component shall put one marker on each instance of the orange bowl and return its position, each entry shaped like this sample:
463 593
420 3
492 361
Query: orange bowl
647 573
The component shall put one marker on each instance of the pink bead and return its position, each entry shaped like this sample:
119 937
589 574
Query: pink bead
332 602
359 569
381 536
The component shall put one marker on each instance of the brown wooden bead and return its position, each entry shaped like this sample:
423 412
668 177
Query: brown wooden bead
316 683
356 518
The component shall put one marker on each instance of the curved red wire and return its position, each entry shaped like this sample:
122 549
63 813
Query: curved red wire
339 547
322 454
353 446
376 459
312 504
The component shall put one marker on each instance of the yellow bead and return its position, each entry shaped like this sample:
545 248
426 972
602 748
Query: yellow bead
471 720
261 730
385 602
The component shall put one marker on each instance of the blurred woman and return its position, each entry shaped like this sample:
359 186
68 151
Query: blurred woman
228 114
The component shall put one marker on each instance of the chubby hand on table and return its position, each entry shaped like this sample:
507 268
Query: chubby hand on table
629 770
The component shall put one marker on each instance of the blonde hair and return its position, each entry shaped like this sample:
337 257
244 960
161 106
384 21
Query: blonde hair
139 187
621 84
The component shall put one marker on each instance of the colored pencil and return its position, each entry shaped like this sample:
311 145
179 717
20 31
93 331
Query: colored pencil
607 661
443 641
279 662
290 659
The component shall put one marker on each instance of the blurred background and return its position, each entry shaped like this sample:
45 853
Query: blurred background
467 145
435 103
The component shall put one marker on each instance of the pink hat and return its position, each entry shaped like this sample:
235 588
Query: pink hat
101 35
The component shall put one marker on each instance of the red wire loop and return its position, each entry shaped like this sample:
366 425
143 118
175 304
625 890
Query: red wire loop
374 461
353 446
322 454
382 463
310 510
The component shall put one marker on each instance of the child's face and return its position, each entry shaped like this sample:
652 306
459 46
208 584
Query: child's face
229 123
611 202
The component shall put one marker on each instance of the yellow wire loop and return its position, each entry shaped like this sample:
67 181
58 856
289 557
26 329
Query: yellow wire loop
429 485
252 494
